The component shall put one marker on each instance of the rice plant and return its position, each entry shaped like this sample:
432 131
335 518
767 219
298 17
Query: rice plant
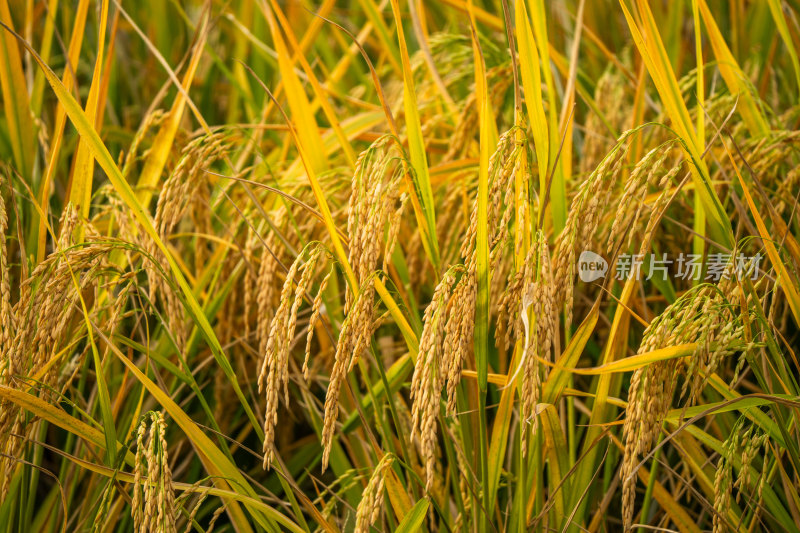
461 265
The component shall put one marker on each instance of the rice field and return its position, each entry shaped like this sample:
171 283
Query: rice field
393 265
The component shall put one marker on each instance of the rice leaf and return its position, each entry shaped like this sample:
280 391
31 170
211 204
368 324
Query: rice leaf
423 192
15 98
80 185
413 520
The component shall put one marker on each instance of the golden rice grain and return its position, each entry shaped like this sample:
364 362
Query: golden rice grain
371 504
6 317
153 502
426 383
374 202
703 316
316 311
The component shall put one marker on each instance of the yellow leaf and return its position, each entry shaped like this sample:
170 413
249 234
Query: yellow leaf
162 144
422 193
73 53
15 98
306 125
638 361
734 78
80 185
532 84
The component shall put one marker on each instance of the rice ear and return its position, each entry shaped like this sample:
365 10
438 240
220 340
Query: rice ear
153 504
6 314
369 508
